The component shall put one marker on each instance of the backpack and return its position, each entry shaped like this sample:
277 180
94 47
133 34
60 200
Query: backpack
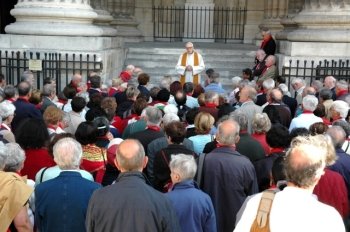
262 220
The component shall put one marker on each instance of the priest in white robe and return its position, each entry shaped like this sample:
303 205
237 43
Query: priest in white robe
190 65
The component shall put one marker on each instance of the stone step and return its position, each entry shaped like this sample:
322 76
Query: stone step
159 58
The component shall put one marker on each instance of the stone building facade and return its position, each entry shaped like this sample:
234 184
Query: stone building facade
306 29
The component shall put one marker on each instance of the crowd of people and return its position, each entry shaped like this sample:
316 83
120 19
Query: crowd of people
184 155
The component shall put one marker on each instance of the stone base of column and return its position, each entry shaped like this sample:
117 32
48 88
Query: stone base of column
314 49
127 29
109 50
103 21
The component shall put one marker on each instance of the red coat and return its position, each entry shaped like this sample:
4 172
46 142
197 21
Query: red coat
36 159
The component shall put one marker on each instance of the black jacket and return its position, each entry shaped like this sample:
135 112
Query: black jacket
130 205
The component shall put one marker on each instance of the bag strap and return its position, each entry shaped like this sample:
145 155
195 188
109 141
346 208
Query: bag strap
42 175
262 217
200 169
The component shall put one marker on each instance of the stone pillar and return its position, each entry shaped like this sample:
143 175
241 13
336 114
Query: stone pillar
274 11
193 18
54 17
123 12
323 29
104 18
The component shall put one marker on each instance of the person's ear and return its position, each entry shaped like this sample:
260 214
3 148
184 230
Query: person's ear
237 139
145 161
117 164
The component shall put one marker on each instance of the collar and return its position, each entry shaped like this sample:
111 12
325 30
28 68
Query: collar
342 92
186 184
219 145
132 174
3 125
70 173
25 99
153 127
307 112
210 105
276 150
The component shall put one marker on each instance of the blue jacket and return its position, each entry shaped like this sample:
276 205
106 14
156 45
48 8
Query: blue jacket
24 110
214 87
61 203
342 166
193 207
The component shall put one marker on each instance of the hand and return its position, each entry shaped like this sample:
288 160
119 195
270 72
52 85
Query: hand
189 68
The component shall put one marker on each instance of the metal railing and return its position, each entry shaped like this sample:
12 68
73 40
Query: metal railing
54 65
218 24
312 70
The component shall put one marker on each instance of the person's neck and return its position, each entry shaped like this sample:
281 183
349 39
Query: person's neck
309 189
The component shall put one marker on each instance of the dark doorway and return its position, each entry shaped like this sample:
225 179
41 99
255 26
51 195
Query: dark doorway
5 17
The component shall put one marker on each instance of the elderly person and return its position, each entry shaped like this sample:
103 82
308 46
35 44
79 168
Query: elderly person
193 207
298 85
259 67
14 195
49 173
307 118
14 163
203 123
270 70
325 97
260 125
52 199
211 102
304 165
339 110
7 112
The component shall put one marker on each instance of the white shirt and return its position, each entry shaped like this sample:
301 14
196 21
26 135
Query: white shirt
304 120
294 209
190 61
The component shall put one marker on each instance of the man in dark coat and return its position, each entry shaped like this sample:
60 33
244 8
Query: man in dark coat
24 109
130 204
228 176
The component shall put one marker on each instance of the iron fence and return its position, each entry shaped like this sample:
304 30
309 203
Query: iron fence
54 65
313 70
218 24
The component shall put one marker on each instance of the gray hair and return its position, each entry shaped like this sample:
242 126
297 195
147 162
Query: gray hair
325 94
310 102
227 137
15 157
342 84
298 80
170 117
268 83
170 108
261 123
132 91
306 159
48 89
210 96
165 82
3 155
240 118
27 75
337 135
9 91
6 109
341 107
153 115
185 165
130 68
317 84
283 88
252 94
343 124
67 153
235 81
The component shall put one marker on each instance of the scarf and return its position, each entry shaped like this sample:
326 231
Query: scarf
195 63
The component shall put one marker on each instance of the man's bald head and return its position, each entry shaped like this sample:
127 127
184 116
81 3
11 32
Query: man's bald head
130 156
276 95
228 132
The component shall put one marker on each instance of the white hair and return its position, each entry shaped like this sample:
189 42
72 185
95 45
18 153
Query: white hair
3 155
185 165
235 81
170 108
67 153
269 84
6 109
298 80
15 157
130 67
284 89
170 117
310 102
341 107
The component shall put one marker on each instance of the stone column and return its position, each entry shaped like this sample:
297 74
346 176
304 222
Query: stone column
123 12
192 18
274 11
104 18
323 29
54 17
